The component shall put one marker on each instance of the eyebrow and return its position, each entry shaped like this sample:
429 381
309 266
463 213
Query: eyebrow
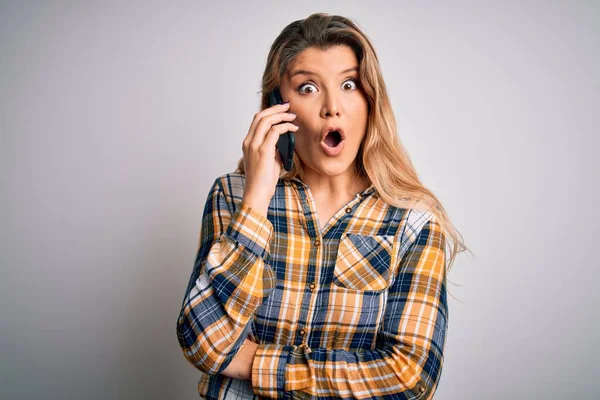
306 72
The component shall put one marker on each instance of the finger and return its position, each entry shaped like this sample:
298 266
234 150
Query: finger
267 124
278 108
273 136
260 130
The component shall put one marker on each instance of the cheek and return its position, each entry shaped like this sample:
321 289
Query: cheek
359 108
301 139
359 120
306 128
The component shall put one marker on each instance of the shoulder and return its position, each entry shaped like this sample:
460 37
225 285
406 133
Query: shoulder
424 230
231 184
412 223
230 188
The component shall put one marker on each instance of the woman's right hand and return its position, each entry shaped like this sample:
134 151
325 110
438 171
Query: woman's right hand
262 163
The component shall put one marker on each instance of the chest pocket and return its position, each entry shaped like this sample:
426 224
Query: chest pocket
363 262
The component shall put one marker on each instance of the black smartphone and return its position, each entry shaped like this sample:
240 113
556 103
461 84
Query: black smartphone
286 141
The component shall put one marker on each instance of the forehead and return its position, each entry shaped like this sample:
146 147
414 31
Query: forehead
323 62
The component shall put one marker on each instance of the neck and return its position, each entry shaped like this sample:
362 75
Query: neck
337 188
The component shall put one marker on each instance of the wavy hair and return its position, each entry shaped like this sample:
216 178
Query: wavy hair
381 159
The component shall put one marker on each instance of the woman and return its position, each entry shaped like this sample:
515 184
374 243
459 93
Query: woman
328 280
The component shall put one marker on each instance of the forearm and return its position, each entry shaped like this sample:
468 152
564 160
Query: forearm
343 374
233 281
240 366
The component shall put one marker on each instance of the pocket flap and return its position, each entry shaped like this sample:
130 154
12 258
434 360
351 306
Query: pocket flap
363 262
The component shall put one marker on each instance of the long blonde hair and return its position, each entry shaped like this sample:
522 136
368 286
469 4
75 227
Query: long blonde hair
381 159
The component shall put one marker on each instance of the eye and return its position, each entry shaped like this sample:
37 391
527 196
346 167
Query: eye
345 85
305 84
354 81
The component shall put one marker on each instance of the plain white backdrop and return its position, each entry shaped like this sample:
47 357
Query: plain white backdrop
116 117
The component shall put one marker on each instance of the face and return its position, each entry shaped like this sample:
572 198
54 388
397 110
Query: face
324 92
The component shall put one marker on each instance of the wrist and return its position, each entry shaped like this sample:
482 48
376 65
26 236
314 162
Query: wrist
250 349
260 205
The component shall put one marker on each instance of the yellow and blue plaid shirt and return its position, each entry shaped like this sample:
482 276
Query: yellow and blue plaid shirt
355 309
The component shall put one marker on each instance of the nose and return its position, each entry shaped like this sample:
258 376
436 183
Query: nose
330 107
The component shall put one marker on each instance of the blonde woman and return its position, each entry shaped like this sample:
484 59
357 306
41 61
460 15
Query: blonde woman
328 280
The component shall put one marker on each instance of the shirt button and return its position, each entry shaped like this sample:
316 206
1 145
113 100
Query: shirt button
301 332
421 389
348 209
312 286
317 242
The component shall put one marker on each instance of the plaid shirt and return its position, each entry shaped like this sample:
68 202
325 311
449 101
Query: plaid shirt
355 309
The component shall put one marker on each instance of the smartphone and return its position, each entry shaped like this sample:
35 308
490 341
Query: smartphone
286 141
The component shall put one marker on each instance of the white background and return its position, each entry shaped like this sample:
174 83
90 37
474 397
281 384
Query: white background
116 117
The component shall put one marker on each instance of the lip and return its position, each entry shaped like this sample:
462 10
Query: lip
333 151
337 150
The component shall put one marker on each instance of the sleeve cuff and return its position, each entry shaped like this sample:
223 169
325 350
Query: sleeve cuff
268 370
298 374
251 229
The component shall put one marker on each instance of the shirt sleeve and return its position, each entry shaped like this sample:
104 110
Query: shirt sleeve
407 362
229 281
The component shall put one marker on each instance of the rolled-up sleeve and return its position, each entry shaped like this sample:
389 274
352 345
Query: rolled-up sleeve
229 281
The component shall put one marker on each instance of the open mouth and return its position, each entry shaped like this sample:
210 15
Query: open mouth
333 138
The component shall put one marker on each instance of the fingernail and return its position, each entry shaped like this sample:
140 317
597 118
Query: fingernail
293 114
287 103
